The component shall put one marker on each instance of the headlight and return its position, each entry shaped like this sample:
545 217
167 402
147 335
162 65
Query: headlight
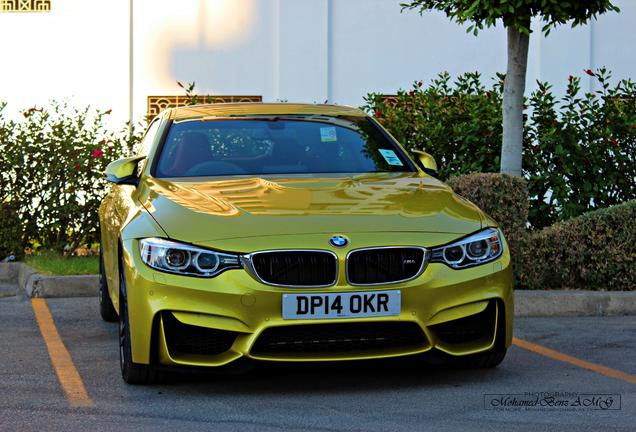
485 246
184 259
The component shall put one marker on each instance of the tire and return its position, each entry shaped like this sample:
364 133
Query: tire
132 373
485 360
106 308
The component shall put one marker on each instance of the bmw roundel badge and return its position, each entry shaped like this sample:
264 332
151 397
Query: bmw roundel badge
338 241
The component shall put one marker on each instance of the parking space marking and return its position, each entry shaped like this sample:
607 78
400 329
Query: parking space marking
556 355
61 360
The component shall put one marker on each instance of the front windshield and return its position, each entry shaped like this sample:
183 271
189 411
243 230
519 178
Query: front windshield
277 145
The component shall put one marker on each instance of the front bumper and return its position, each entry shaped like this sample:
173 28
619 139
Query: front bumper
233 311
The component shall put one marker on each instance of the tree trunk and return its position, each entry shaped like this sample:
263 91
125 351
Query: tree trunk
514 87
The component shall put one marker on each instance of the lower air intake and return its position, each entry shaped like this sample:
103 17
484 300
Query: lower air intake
339 338
470 328
194 340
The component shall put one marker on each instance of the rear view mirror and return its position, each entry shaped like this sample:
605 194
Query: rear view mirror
124 171
427 162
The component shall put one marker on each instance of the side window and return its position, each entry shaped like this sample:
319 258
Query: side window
146 143
149 138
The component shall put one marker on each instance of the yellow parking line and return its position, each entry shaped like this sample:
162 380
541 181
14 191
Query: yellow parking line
60 358
556 355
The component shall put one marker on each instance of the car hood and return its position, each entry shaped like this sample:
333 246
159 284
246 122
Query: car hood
196 210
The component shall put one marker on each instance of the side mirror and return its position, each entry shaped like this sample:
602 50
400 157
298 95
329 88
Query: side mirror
124 171
427 162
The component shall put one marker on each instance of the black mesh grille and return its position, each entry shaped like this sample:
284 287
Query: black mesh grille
471 328
296 268
375 266
338 338
186 339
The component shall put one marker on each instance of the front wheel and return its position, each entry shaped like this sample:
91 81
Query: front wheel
485 360
132 373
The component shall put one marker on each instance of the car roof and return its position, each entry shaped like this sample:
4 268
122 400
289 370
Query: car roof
258 108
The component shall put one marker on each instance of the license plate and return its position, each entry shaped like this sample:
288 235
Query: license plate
341 305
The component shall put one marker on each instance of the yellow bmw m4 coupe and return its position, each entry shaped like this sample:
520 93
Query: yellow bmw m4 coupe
293 233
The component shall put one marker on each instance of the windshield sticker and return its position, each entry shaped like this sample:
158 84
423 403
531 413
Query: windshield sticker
328 134
390 157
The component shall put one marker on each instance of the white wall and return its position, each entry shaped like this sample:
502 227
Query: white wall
609 41
78 51
378 48
299 50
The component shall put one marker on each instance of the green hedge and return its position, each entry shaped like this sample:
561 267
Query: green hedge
505 199
579 149
52 162
458 122
594 251
10 232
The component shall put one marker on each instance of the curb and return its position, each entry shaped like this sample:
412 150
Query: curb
39 286
531 303
9 273
35 285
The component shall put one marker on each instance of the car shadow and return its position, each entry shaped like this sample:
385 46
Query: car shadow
320 378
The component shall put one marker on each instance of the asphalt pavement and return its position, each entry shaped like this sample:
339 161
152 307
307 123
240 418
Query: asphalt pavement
367 396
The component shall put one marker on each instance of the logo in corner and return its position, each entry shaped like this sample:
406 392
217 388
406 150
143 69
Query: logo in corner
338 241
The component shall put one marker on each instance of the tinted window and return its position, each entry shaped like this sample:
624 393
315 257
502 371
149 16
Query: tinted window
277 145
